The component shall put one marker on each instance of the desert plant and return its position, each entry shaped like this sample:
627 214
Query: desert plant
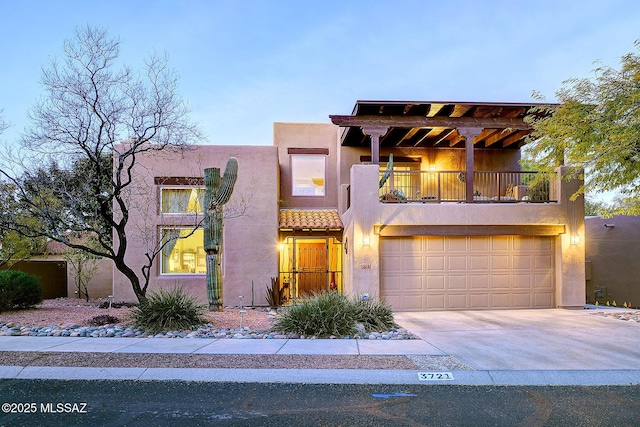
103 319
275 294
396 194
321 314
18 290
373 313
172 309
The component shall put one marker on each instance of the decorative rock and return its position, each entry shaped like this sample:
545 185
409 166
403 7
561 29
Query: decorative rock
205 331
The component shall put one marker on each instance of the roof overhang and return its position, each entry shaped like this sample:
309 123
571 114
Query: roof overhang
310 220
436 123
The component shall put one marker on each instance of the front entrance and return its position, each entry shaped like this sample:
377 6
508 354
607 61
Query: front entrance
310 264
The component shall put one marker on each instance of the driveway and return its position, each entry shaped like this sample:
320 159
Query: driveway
544 339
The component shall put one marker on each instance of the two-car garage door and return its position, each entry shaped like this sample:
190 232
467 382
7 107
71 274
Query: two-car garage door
467 272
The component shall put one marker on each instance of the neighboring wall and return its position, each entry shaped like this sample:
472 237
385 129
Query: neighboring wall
250 241
55 285
612 259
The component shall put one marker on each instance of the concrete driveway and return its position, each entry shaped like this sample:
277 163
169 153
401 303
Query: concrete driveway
553 339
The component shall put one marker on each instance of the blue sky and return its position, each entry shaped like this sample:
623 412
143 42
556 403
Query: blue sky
246 64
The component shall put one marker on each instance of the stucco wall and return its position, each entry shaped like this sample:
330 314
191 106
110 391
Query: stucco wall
307 135
442 159
100 286
612 252
367 212
250 240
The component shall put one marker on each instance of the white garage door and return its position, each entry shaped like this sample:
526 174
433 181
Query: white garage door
467 272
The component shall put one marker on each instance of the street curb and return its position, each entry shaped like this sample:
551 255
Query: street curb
329 376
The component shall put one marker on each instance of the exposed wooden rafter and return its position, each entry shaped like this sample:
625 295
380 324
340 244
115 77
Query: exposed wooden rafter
435 109
429 122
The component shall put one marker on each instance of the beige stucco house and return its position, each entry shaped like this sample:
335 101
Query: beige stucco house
451 223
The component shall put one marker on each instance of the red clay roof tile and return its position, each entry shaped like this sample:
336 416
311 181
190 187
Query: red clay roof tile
310 219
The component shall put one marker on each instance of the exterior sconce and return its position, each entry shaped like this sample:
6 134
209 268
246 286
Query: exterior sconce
432 168
281 246
365 241
575 239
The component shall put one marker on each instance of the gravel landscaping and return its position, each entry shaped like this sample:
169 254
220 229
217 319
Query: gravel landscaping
72 318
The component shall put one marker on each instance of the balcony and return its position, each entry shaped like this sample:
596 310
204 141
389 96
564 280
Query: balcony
450 186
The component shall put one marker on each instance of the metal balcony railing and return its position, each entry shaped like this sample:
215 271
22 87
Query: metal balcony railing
450 186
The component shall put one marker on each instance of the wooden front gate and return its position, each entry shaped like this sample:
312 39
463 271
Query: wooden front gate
309 265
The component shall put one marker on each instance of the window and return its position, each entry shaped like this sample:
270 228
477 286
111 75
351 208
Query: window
182 254
182 200
308 175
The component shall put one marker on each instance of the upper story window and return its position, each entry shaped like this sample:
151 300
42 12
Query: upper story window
181 195
182 200
308 172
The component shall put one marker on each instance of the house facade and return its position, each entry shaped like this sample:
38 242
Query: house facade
421 203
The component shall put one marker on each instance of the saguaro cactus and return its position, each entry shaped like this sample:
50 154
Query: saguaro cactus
218 191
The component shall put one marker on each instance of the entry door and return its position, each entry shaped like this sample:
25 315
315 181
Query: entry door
312 267
310 264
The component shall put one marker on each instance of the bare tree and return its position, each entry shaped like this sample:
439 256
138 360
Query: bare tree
90 106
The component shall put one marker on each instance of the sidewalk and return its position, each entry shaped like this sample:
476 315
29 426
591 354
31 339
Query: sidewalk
524 347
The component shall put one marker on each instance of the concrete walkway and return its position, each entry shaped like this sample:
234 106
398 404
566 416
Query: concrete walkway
514 347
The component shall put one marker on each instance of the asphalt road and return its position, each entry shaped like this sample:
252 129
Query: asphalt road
166 403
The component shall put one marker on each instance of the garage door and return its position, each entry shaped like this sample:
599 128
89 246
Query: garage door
467 272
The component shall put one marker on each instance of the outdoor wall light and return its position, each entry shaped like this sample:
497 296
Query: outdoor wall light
365 241
432 168
575 239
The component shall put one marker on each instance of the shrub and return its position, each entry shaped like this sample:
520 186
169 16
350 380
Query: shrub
275 294
375 314
103 319
330 313
19 290
169 310
321 314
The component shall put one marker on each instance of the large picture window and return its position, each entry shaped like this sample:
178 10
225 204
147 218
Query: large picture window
182 200
184 252
308 175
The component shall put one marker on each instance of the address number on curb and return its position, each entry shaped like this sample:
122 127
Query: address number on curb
435 376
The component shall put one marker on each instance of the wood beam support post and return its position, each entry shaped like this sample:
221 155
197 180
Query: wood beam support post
469 134
375 132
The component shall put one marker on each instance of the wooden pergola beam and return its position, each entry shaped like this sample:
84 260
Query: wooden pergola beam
419 121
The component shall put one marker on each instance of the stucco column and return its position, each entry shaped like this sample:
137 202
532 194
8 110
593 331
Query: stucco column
375 132
570 268
469 134
364 274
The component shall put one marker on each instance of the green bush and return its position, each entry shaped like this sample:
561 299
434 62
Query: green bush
169 310
18 290
375 314
331 313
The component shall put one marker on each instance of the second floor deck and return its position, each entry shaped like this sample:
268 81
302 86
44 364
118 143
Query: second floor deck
414 186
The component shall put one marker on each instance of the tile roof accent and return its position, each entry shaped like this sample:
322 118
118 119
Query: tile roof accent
310 220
